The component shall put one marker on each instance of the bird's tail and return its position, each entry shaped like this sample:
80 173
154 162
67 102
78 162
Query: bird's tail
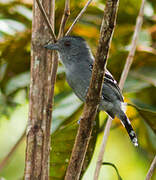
126 123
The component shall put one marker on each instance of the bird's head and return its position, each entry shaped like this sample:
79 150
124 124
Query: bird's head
70 48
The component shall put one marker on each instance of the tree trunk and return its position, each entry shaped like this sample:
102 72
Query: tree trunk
41 95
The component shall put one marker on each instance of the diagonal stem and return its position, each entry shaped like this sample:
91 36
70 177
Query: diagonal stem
78 17
151 169
130 57
121 84
102 149
93 95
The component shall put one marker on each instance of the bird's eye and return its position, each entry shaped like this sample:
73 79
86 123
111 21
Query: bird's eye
67 43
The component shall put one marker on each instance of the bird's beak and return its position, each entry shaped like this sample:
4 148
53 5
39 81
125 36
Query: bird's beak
52 46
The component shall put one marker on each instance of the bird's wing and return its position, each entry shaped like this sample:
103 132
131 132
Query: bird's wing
110 82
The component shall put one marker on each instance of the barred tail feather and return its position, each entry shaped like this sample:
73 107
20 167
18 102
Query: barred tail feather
123 106
126 123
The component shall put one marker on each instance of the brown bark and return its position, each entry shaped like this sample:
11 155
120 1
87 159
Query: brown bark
151 169
43 74
93 96
124 75
64 18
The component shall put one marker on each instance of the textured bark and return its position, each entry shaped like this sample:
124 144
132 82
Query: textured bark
43 73
124 75
93 96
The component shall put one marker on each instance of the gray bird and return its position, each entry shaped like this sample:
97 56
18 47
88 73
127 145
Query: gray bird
78 60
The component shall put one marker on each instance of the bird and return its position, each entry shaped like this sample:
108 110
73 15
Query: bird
77 58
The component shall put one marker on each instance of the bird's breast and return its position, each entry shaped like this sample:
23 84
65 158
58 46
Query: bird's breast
78 80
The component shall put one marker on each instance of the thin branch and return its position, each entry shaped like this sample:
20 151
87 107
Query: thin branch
93 95
121 84
13 149
151 169
78 17
130 57
102 149
52 71
52 17
46 20
64 18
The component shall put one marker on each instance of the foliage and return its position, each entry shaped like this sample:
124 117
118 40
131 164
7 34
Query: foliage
117 172
139 89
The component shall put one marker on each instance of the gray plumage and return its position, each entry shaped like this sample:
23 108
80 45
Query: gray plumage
78 60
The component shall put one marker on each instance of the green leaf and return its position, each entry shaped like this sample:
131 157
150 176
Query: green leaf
139 79
62 143
149 117
111 164
7 106
2 70
24 11
10 27
20 81
146 74
64 108
134 84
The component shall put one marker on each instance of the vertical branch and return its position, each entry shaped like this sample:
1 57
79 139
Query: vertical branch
64 18
51 75
52 17
121 84
43 74
93 95
44 14
151 169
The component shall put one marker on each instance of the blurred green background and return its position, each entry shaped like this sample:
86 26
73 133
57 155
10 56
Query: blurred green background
140 89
